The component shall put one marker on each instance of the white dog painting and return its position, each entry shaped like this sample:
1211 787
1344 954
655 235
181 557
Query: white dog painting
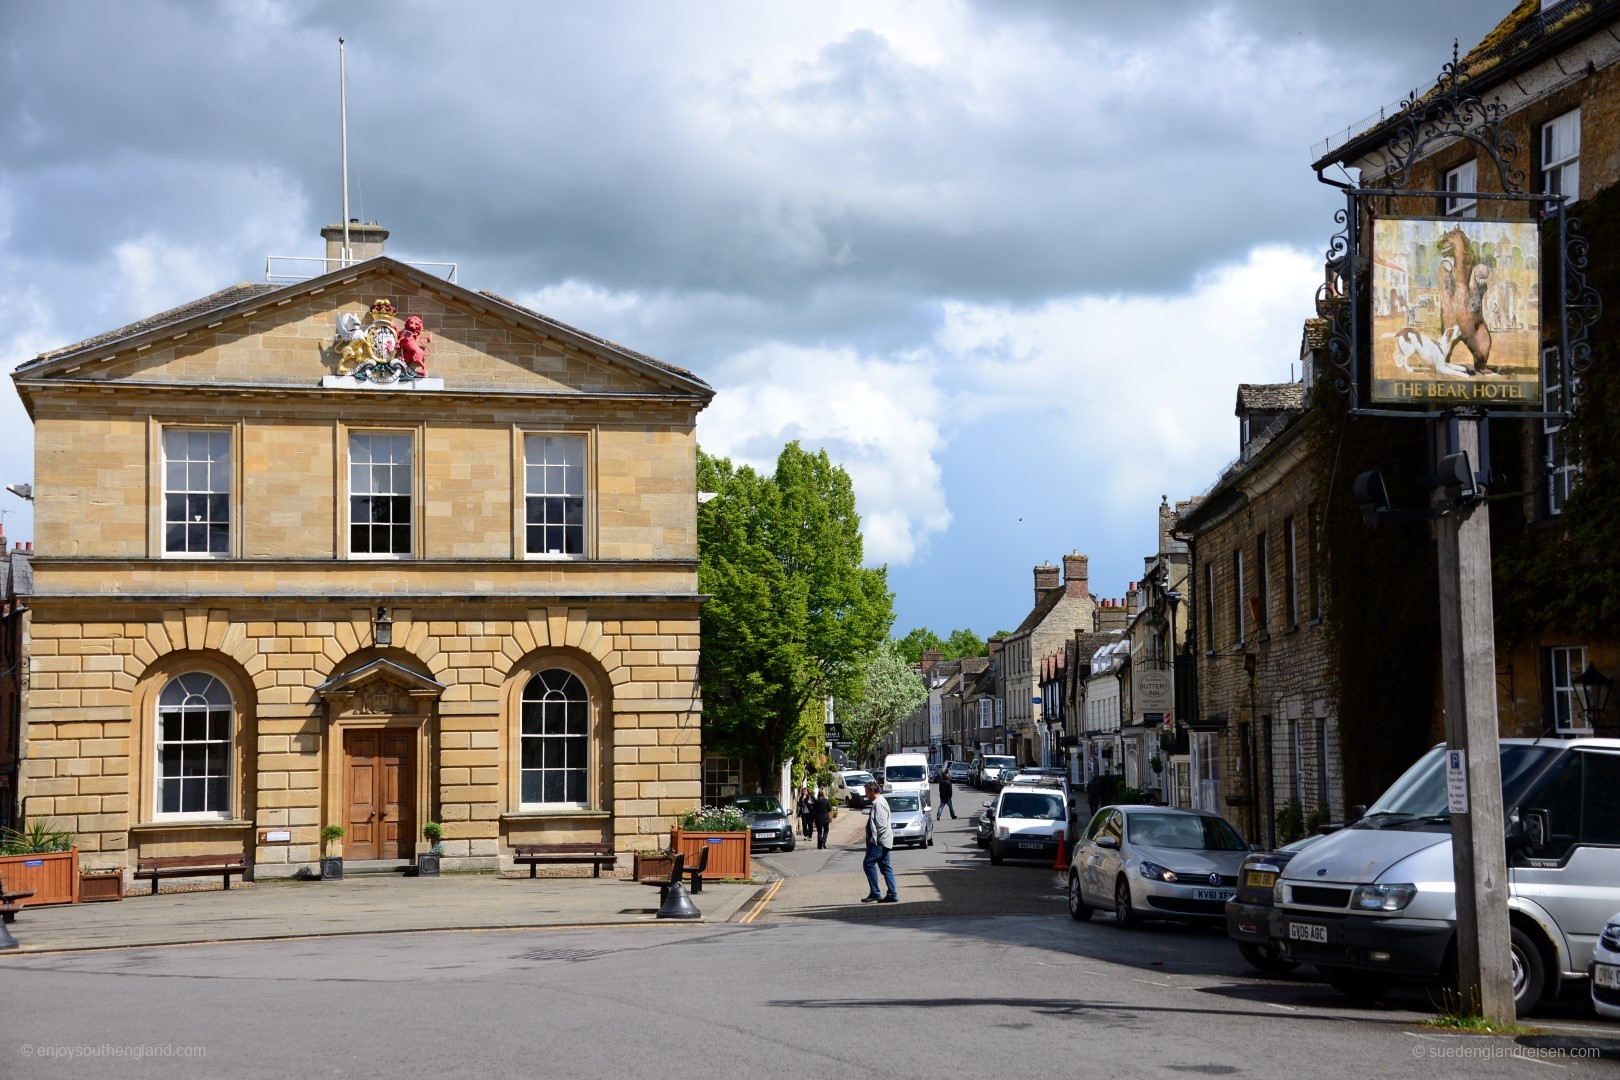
1413 345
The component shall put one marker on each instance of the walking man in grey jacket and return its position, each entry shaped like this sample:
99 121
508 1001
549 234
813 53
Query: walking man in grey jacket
879 842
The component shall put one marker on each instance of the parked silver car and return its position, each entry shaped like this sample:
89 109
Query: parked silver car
1157 862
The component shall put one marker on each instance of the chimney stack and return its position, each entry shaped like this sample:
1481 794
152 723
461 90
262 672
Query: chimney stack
1046 579
930 657
365 242
992 647
1077 574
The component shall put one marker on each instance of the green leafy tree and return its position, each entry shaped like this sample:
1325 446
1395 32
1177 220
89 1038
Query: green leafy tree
920 640
792 610
961 643
889 689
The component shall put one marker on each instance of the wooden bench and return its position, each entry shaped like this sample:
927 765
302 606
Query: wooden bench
192 866
9 902
598 855
664 884
694 873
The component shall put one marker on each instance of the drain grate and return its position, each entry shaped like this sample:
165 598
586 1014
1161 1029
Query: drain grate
566 955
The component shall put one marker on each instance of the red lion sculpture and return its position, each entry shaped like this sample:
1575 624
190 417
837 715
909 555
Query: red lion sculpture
414 341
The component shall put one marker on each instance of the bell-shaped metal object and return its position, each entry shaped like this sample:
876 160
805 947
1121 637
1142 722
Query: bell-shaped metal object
6 940
678 904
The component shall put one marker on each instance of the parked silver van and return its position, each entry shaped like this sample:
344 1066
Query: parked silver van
1376 901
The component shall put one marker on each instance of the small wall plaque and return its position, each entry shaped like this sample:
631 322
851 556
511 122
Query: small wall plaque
275 836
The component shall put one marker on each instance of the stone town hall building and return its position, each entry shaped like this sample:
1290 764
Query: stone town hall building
275 589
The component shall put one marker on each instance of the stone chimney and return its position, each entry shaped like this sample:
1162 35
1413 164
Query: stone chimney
930 657
1077 574
1046 579
1110 615
992 647
365 242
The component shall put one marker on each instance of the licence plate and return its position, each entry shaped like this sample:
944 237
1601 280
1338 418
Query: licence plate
1606 976
1305 931
1036 847
766 835
1260 879
1213 894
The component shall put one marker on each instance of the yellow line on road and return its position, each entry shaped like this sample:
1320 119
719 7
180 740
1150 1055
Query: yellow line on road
760 906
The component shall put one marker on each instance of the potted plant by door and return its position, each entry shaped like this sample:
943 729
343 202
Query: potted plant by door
331 865
427 863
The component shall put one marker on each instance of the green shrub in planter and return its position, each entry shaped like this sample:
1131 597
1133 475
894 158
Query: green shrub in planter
331 865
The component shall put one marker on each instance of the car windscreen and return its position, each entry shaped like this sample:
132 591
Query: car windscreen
902 802
1031 804
1189 832
993 763
1420 794
758 804
858 779
904 774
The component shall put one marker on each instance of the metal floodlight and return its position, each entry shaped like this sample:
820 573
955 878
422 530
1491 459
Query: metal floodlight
22 491
1456 475
1371 495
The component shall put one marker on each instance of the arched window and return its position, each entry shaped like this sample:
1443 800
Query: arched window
194 747
556 740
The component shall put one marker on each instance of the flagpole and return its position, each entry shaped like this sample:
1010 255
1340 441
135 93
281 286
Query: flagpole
343 103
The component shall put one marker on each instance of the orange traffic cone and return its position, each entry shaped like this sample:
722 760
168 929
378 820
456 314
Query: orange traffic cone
1062 863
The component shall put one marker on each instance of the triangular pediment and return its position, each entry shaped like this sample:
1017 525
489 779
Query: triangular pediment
258 336
381 678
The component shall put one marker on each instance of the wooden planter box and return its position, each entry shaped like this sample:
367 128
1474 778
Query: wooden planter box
651 867
728 852
101 886
53 875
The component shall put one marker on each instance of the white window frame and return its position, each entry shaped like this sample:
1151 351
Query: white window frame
192 685
1464 178
1291 571
1564 665
563 681
545 471
986 714
1563 473
409 469
1561 156
216 471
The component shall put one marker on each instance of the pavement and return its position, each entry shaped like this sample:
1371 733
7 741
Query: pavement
390 904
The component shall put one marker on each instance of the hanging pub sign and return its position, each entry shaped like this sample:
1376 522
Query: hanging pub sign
1456 312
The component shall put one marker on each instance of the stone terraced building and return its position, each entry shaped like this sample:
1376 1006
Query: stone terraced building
280 583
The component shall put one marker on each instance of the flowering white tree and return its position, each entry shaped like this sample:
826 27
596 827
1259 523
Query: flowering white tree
889 689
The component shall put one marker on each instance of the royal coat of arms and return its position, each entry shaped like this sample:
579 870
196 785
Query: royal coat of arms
380 350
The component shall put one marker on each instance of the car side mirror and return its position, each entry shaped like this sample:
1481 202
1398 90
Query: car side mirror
1357 812
1108 841
1254 847
1532 829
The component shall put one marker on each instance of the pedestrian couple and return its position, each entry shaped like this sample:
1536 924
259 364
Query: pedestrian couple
879 843
815 814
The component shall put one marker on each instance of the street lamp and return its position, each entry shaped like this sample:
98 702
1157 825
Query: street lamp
1594 687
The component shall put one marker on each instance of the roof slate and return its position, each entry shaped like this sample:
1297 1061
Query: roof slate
1270 396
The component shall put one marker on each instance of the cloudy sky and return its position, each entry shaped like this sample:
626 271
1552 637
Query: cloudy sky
1005 260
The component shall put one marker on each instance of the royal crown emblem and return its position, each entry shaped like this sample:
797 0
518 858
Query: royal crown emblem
380 350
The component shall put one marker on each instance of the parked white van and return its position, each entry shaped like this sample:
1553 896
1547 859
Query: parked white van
1376 901
908 773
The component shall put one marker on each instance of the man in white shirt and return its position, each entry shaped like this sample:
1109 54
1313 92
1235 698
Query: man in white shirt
879 842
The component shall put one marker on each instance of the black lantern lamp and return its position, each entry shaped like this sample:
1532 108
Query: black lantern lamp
1594 687
382 629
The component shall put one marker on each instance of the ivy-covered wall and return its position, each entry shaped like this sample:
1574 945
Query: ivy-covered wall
1563 576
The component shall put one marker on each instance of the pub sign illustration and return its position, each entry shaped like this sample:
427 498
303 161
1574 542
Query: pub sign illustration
1456 312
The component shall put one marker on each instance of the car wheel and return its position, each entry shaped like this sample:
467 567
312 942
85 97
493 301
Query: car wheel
791 844
1079 911
1266 957
1361 985
1529 971
1124 915
996 858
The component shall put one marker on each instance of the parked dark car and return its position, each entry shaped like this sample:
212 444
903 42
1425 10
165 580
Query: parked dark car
1248 914
984 826
933 774
769 826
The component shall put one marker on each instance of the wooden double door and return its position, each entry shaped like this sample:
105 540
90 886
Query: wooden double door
379 772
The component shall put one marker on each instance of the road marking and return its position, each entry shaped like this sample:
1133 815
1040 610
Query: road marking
760 905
